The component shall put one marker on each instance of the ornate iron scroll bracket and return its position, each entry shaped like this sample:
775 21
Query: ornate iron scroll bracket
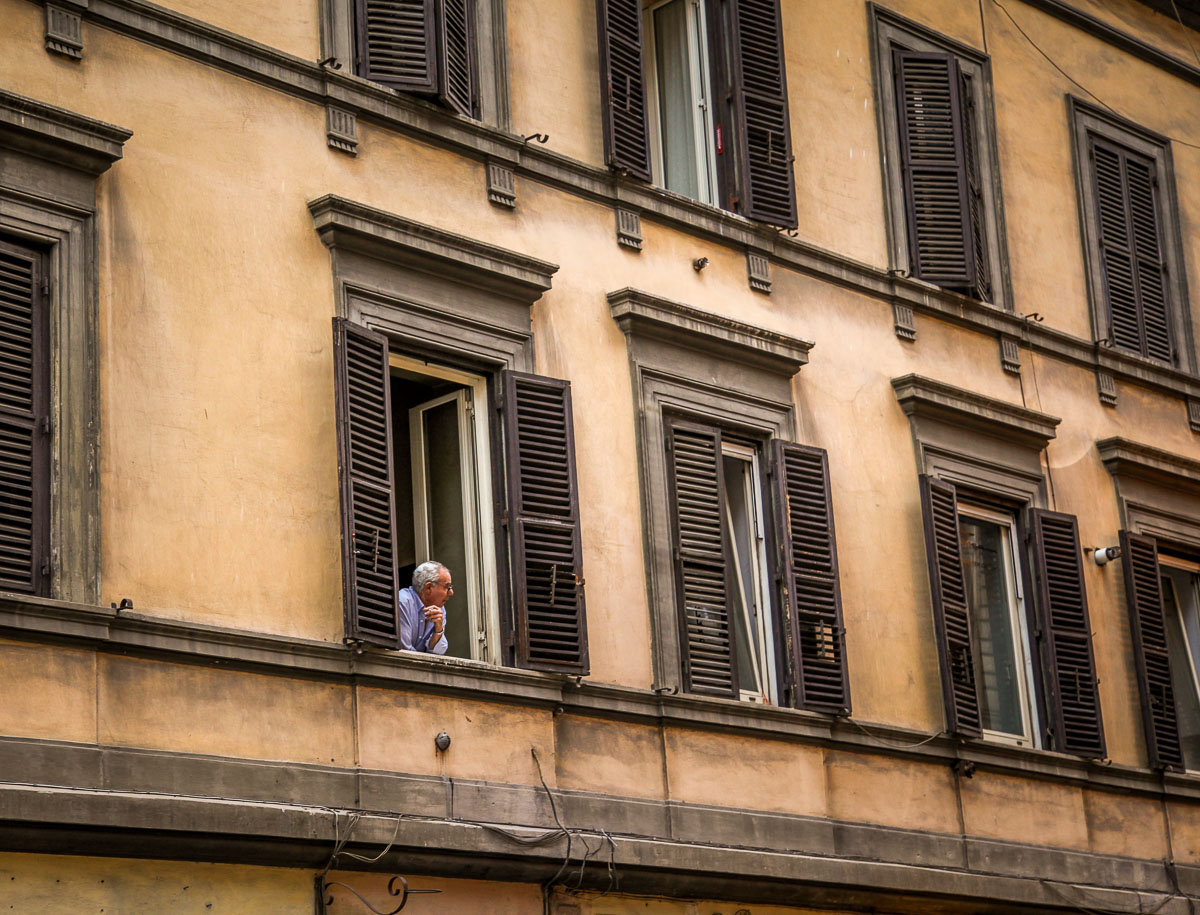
325 900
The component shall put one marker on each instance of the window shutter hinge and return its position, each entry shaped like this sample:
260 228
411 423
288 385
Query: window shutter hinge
46 285
48 565
504 519
46 426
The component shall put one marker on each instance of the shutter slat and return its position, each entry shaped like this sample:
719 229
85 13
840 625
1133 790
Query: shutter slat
808 568
363 388
951 616
760 112
1147 623
701 565
622 87
549 607
1074 699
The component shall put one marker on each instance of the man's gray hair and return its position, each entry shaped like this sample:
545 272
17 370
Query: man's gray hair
426 573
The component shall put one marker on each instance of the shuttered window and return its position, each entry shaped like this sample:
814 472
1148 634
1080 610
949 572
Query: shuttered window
1070 670
742 58
943 191
544 516
24 423
364 436
1148 626
425 47
1132 254
808 570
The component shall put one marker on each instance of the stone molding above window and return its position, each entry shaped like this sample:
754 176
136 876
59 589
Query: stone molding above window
1158 492
50 160
974 440
890 32
716 371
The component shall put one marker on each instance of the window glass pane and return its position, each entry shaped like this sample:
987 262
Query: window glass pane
999 664
1180 612
444 494
676 98
739 520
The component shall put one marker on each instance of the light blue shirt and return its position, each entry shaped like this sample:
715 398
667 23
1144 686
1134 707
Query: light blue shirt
415 630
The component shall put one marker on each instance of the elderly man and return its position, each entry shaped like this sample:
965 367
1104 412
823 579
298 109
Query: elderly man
422 609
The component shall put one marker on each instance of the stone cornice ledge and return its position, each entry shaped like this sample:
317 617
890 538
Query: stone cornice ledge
1127 458
346 224
926 398
59 135
640 314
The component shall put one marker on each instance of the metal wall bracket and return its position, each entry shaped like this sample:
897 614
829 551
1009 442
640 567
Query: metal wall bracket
64 31
904 321
324 900
501 185
758 268
629 228
341 129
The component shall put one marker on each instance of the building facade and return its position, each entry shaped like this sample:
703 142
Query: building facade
803 396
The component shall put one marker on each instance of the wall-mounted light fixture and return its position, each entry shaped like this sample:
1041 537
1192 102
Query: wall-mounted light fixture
1103 555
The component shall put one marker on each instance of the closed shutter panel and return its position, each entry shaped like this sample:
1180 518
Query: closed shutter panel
1143 597
362 382
1066 635
696 494
544 510
1131 251
426 47
623 87
24 410
933 154
983 272
808 567
761 108
951 616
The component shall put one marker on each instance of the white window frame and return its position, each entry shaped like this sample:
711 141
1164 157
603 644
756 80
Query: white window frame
1193 569
765 665
702 121
1018 617
482 582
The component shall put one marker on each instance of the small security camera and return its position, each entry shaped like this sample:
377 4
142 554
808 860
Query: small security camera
1106 554
699 264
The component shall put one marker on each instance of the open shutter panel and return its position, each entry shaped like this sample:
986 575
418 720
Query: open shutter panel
761 108
457 78
1066 635
982 288
397 43
623 87
1131 251
364 436
932 151
544 516
808 567
696 493
24 407
1143 597
951 616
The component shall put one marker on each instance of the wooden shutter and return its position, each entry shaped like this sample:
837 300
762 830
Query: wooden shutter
623 87
762 126
363 389
975 206
1131 251
426 47
544 516
24 423
696 493
951 616
942 227
1070 669
808 569
1143 597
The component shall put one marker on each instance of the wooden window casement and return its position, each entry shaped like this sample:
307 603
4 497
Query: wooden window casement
1132 246
715 126
25 563
940 173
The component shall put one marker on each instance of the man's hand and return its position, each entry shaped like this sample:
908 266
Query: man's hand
437 616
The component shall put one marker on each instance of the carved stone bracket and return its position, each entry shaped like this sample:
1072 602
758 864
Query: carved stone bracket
1106 385
1193 411
1010 355
501 185
64 30
758 269
904 321
629 228
341 129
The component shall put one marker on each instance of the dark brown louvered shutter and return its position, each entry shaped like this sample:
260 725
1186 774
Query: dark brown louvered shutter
808 569
762 127
1074 701
696 487
363 389
1131 251
929 93
543 501
623 87
426 47
982 288
1143 597
951 616
24 423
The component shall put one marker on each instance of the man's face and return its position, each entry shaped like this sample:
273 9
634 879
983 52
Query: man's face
438 592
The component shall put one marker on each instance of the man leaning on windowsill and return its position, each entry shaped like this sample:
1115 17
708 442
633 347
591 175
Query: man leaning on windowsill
422 609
